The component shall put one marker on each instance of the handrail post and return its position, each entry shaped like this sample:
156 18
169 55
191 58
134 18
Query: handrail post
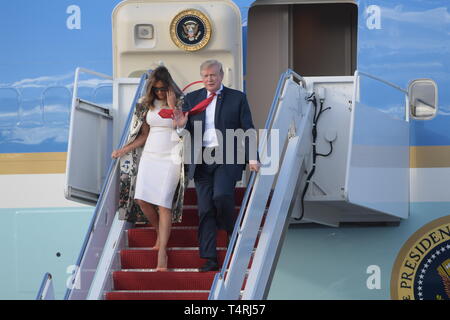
46 291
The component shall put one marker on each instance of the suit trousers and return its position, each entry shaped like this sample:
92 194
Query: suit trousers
216 205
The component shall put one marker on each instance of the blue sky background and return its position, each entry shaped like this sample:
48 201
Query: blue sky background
36 41
38 51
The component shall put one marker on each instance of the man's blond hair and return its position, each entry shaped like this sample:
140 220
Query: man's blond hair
210 63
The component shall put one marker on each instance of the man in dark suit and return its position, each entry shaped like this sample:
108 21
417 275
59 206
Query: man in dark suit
215 171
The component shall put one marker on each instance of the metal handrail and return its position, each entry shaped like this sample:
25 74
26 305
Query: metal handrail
356 93
268 125
112 167
46 285
357 73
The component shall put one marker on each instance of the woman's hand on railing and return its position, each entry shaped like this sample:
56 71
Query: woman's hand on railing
119 153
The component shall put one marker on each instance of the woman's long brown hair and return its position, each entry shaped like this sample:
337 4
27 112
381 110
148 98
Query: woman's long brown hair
163 75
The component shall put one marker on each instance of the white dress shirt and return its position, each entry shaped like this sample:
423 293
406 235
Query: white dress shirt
210 136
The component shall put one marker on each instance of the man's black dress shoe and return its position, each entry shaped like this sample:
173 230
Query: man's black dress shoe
210 265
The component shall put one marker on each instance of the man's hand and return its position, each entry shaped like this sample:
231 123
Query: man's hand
254 165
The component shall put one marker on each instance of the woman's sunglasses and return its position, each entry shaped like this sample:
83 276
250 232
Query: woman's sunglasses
162 89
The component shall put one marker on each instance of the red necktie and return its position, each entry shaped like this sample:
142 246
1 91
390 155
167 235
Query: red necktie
168 113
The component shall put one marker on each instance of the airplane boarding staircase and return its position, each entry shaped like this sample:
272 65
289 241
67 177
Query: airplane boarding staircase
116 261
138 280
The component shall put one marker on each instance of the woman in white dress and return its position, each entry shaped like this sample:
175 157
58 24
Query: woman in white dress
159 166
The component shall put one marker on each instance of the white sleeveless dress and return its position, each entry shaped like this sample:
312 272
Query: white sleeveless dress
160 163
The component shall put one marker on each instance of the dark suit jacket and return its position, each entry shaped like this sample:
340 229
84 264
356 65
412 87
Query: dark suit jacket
232 112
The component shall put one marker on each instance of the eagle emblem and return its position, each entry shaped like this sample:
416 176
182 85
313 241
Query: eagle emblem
190 30
444 272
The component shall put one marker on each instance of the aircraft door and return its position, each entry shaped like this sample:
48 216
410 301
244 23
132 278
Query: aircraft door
378 168
313 38
90 147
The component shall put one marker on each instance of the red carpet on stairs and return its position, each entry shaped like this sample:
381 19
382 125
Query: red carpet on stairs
137 279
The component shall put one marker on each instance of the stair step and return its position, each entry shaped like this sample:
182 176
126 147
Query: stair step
147 259
187 237
138 280
135 280
190 196
190 218
157 295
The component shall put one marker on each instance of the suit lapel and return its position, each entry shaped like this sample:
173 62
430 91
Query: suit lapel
200 97
219 104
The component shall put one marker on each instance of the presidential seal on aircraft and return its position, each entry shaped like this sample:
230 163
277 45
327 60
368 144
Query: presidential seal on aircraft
190 30
422 268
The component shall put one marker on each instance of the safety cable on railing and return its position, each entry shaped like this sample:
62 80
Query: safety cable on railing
312 98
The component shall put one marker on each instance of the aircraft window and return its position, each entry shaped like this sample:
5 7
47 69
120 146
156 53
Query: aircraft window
9 107
56 101
85 92
31 112
103 96
423 99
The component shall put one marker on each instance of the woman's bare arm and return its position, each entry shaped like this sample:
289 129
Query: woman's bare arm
137 143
